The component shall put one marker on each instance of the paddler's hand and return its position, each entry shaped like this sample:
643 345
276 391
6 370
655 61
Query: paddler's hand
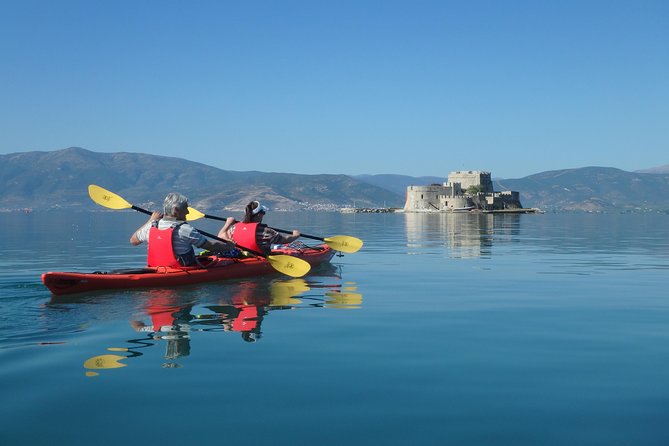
155 216
137 325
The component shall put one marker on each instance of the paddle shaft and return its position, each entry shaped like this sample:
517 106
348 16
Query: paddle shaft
143 211
227 241
313 237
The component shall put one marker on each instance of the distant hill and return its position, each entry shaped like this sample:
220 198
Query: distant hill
59 179
658 170
597 189
399 183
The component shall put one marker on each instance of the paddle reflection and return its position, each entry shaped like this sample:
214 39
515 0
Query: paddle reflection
113 361
240 308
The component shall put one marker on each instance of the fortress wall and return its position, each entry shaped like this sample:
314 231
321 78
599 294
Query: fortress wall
460 201
425 197
504 200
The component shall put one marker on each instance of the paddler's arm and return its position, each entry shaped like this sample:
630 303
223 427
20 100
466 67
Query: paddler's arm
223 233
283 239
135 240
215 245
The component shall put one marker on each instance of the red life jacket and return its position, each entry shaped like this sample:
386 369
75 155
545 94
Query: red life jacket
162 314
245 236
247 319
160 251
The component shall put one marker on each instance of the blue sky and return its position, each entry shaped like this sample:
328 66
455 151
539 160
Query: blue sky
354 87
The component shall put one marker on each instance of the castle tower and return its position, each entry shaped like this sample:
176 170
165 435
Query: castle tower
467 178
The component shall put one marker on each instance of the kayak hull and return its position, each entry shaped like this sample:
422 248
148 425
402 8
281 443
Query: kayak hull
60 283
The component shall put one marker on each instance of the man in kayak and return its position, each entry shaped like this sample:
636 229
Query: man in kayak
251 233
170 239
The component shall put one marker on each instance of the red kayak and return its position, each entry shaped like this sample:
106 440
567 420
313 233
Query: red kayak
215 269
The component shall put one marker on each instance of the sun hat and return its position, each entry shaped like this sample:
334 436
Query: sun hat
259 208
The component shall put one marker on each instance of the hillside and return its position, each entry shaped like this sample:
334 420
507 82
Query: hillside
663 170
596 189
59 179
398 183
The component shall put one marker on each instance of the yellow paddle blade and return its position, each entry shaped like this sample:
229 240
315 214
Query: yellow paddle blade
289 265
344 243
194 214
284 301
104 362
291 287
108 199
118 349
343 300
282 293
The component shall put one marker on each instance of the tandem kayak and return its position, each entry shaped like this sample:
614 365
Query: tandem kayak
214 269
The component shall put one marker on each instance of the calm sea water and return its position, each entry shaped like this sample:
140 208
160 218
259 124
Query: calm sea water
444 329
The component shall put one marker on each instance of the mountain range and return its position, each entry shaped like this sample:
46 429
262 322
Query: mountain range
59 180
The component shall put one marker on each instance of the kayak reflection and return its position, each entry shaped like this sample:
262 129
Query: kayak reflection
240 308
244 310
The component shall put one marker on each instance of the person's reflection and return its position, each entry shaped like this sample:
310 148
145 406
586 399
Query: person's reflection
244 310
170 320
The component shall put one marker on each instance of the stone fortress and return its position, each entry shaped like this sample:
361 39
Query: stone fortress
464 191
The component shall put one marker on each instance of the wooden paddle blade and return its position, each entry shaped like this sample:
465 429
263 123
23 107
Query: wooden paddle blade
108 199
344 243
289 265
194 214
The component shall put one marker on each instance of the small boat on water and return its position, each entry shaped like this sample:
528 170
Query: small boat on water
212 269
462 209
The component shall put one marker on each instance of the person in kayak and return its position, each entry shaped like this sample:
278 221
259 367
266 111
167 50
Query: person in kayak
170 239
251 233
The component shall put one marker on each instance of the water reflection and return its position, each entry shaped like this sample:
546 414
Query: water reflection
171 317
244 309
113 361
467 235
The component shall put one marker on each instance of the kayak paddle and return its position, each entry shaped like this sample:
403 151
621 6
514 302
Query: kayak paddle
343 243
289 265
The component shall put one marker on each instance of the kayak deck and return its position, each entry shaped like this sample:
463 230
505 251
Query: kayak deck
60 283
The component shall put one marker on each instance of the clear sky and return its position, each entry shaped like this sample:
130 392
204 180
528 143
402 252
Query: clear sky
356 87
